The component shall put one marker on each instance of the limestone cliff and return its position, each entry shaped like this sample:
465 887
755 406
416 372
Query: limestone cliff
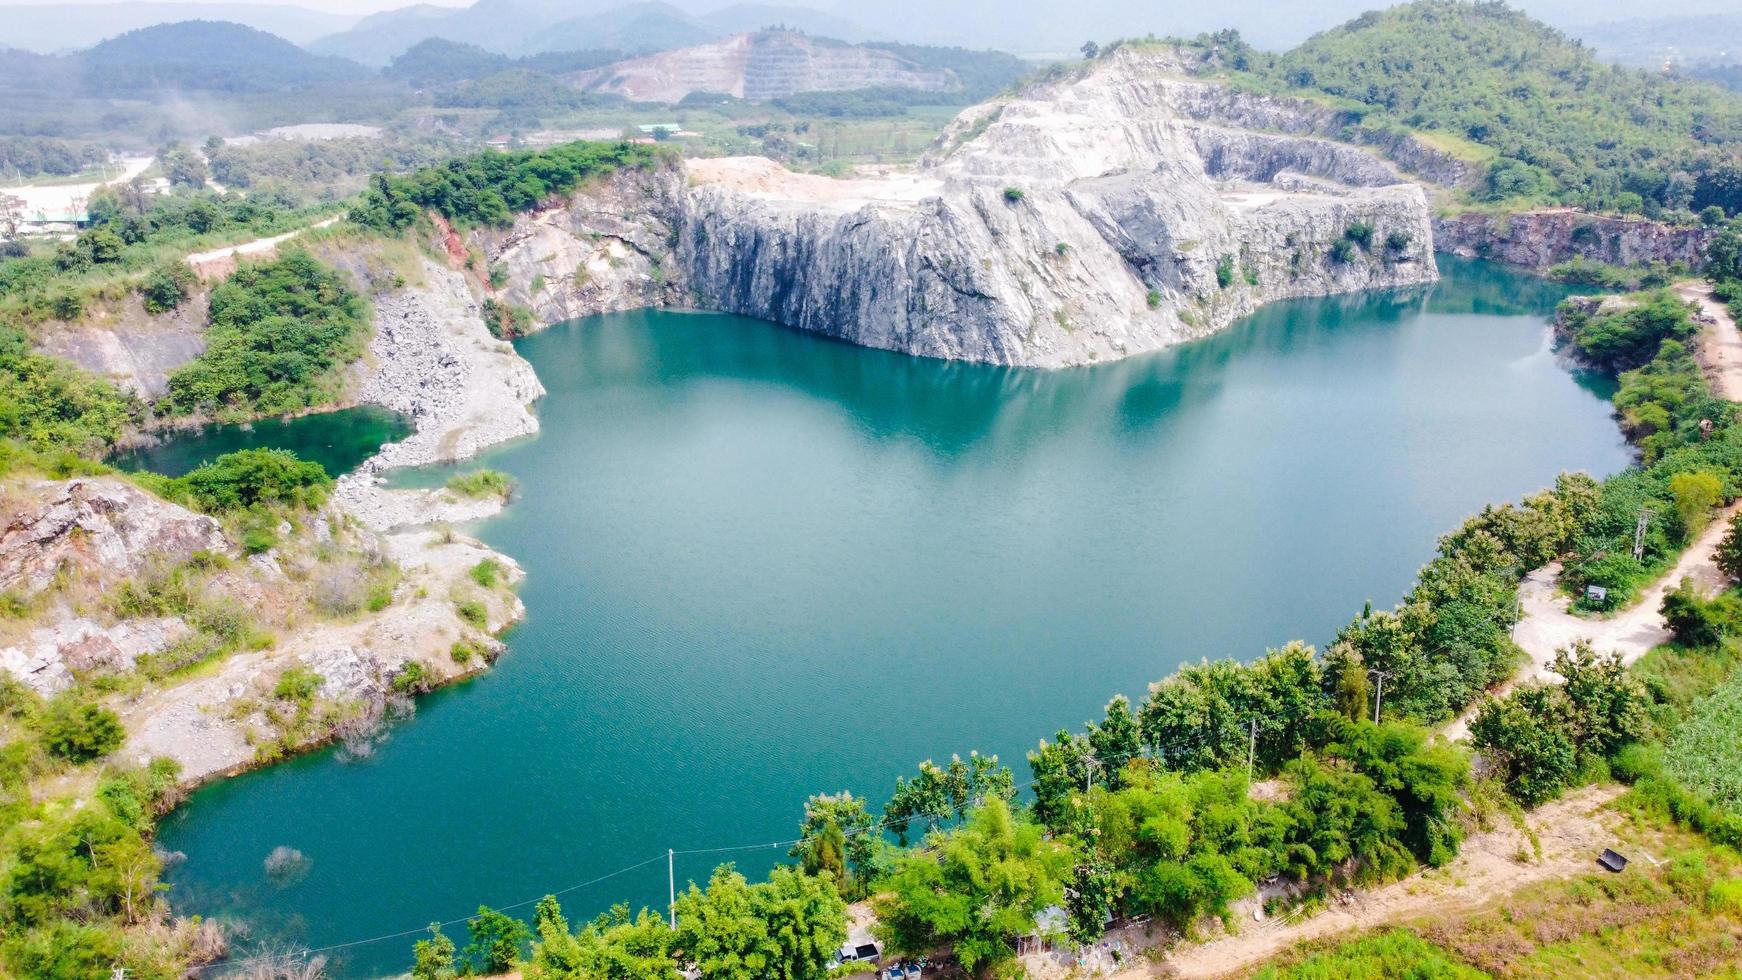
1089 217
1539 239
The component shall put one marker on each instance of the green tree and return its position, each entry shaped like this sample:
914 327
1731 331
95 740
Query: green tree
496 939
611 947
1090 900
1116 740
976 888
1695 495
79 730
433 958
940 795
858 840
1522 739
1729 556
788 927
252 477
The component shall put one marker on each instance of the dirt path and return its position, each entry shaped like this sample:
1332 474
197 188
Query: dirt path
1720 342
222 261
1547 625
1572 830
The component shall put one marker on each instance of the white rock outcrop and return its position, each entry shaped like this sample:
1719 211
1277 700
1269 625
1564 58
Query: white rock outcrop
1120 210
103 525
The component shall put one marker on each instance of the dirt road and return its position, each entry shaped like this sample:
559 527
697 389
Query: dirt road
1720 343
1547 625
221 261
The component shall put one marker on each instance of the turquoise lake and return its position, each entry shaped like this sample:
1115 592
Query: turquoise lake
339 441
763 564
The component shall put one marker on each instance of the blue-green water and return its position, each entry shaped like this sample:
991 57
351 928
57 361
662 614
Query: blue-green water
763 565
337 440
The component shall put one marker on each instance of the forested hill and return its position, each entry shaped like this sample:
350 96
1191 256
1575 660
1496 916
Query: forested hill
1551 123
207 55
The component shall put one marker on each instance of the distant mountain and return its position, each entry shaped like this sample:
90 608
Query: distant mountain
743 17
638 28
502 26
210 56
765 66
60 27
1656 41
516 27
438 63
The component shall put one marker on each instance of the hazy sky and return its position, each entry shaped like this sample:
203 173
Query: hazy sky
332 6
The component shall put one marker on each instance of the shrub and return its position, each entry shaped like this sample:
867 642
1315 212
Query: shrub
472 611
1225 271
412 678
1397 242
1153 299
1729 557
1342 251
507 321
78 730
482 483
1013 194
166 286
298 684
251 477
486 573
1360 234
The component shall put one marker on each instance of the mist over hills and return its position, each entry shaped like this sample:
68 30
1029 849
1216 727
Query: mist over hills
60 27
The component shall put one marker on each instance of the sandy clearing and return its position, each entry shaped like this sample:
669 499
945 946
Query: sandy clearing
1573 830
1720 342
61 197
1547 624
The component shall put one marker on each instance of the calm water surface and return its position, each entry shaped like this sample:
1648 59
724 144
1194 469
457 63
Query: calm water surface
764 564
337 440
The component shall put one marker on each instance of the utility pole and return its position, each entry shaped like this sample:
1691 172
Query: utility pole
1379 697
671 885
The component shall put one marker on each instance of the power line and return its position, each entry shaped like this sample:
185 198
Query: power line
881 824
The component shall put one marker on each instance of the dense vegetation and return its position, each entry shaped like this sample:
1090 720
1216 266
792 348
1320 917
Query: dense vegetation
489 188
436 62
209 55
324 168
280 332
1546 121
48 404
130 236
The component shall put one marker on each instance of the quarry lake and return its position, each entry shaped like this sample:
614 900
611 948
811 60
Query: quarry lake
763 565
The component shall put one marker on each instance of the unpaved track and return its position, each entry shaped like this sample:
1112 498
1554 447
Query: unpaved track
1547 625
1573 830
1720 342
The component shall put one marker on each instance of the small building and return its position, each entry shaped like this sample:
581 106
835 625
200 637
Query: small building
499 142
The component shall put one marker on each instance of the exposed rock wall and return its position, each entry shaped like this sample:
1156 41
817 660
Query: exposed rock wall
130 346
1539 239
1086 219
609 248
1120 211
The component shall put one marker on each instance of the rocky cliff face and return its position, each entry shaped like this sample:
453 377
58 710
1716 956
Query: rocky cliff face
1086 219
1539 239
